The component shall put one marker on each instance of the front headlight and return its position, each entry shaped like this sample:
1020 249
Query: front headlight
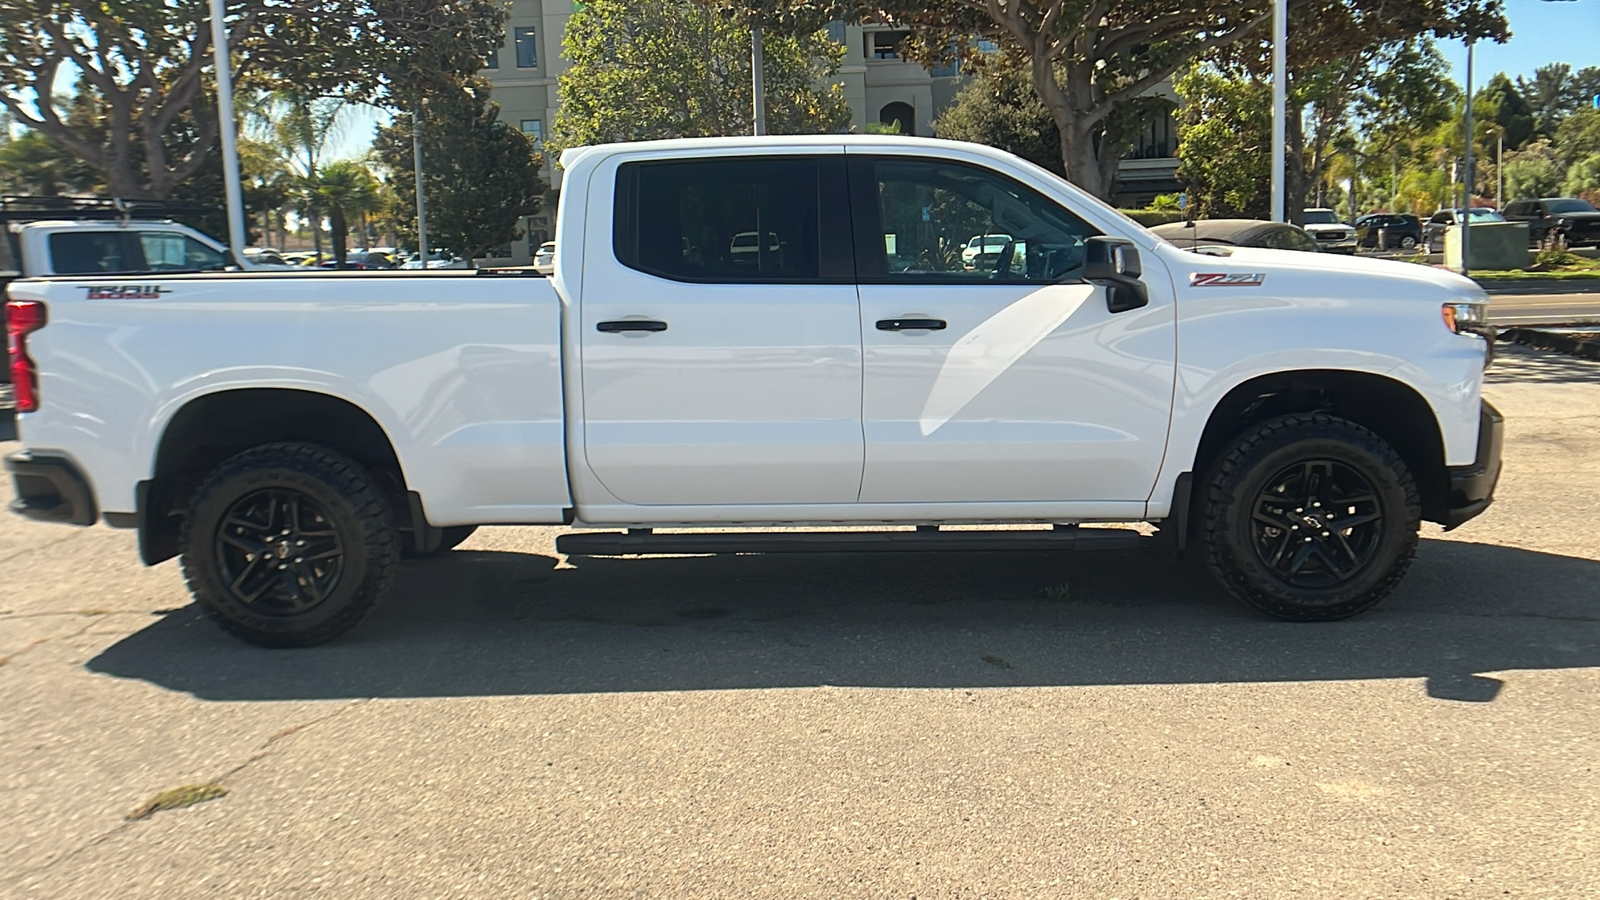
1467 318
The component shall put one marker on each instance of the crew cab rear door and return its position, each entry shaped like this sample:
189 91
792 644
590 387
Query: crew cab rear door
1000 376
720 331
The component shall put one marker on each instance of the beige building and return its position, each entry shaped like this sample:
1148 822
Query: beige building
880 86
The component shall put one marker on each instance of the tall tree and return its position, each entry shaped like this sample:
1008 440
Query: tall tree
145 64
998 107
1508 110
1224 143
647 69
481 175
345 190
1555 91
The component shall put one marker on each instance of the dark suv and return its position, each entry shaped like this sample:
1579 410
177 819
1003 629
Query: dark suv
1576 221
1399 231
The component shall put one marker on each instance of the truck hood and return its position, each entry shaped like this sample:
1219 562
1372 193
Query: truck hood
1314 271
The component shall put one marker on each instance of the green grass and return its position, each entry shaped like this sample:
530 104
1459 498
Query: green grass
178 798
1552 267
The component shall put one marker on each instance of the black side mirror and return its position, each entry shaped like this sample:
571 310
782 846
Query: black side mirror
1114 264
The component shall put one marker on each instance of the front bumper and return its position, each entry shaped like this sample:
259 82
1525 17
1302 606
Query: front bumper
50 488
1472 487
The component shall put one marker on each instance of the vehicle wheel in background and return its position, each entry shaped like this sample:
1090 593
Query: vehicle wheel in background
288 544
1407 242
1310 517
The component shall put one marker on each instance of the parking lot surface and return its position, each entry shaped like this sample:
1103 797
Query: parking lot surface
513 724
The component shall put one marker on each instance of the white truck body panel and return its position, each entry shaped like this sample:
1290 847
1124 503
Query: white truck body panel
762 403
462 374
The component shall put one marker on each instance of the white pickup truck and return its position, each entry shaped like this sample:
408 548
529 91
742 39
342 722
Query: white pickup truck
767 332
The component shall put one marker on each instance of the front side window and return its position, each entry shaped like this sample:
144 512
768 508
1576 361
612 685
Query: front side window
166 251
721 220
949 223
527 48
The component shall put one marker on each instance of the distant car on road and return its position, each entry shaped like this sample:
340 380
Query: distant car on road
1330 233
1575 220
1433 232
544 259
1399 231
983 250
1224 233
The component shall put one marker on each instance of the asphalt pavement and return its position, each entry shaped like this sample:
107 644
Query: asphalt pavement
1552 303
516 724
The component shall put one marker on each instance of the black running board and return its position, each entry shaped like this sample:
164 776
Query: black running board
640 541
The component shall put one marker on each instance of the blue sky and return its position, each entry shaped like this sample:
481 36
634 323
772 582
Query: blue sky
1542 32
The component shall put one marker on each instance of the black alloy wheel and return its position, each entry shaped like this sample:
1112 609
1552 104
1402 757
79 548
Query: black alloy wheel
1310 517
289 544
1317 523
278 552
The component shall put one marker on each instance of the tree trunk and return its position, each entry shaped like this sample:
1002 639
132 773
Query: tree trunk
340 234
1294 165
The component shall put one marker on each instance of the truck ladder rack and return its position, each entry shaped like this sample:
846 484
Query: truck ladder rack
925 538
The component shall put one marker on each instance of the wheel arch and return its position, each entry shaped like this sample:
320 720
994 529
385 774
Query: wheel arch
212 427
1390 408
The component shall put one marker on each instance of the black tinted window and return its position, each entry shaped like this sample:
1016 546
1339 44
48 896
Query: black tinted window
95 252
721 220
941 222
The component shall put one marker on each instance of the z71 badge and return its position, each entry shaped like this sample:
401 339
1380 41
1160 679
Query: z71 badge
124 292
1226 279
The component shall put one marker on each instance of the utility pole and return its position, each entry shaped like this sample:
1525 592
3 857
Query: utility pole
1280 105
225 127
1466 206
422 206
758 81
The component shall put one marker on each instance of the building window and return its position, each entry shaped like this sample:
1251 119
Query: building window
534 129
886 44
836 31
527 48
493 62
1158 138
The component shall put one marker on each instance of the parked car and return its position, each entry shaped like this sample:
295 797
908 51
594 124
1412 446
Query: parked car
1433 231
1291 417
1399 231
544 259
1330 233
436 261
986 246
1575 221
372 259
1223 233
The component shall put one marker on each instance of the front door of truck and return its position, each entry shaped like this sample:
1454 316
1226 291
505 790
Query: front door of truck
993 372
720 334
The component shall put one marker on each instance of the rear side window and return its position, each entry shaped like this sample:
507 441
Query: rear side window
95 252
729 221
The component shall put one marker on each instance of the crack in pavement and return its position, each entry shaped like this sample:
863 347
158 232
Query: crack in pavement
42 641
260 753
69 536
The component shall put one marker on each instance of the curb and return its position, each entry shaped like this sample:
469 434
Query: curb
1560 343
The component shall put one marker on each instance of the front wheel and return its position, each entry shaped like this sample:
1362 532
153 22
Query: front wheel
1407 242
1310 517
288 545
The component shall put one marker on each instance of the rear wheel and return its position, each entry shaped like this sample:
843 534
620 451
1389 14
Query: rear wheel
288 545
1311 517
1407 242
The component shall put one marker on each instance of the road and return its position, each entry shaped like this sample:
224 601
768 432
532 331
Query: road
1556 303
514 724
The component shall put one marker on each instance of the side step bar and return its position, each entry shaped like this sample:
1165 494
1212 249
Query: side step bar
925 538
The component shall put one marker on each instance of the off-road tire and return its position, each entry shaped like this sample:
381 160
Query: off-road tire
1241 479
355 520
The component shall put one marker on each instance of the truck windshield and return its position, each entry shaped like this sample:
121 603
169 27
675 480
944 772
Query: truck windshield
1570 206
1321 217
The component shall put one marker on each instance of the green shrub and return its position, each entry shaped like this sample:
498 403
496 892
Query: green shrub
1150 218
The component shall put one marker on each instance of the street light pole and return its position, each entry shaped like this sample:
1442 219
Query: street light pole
422 206
1466 180
225 128
758 85
1280 105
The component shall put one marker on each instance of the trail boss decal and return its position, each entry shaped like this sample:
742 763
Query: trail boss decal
1225 279
124 292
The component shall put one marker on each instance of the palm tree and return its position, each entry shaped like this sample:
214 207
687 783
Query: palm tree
344 189
299 128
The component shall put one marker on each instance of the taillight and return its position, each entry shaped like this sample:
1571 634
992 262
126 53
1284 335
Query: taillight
23 317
